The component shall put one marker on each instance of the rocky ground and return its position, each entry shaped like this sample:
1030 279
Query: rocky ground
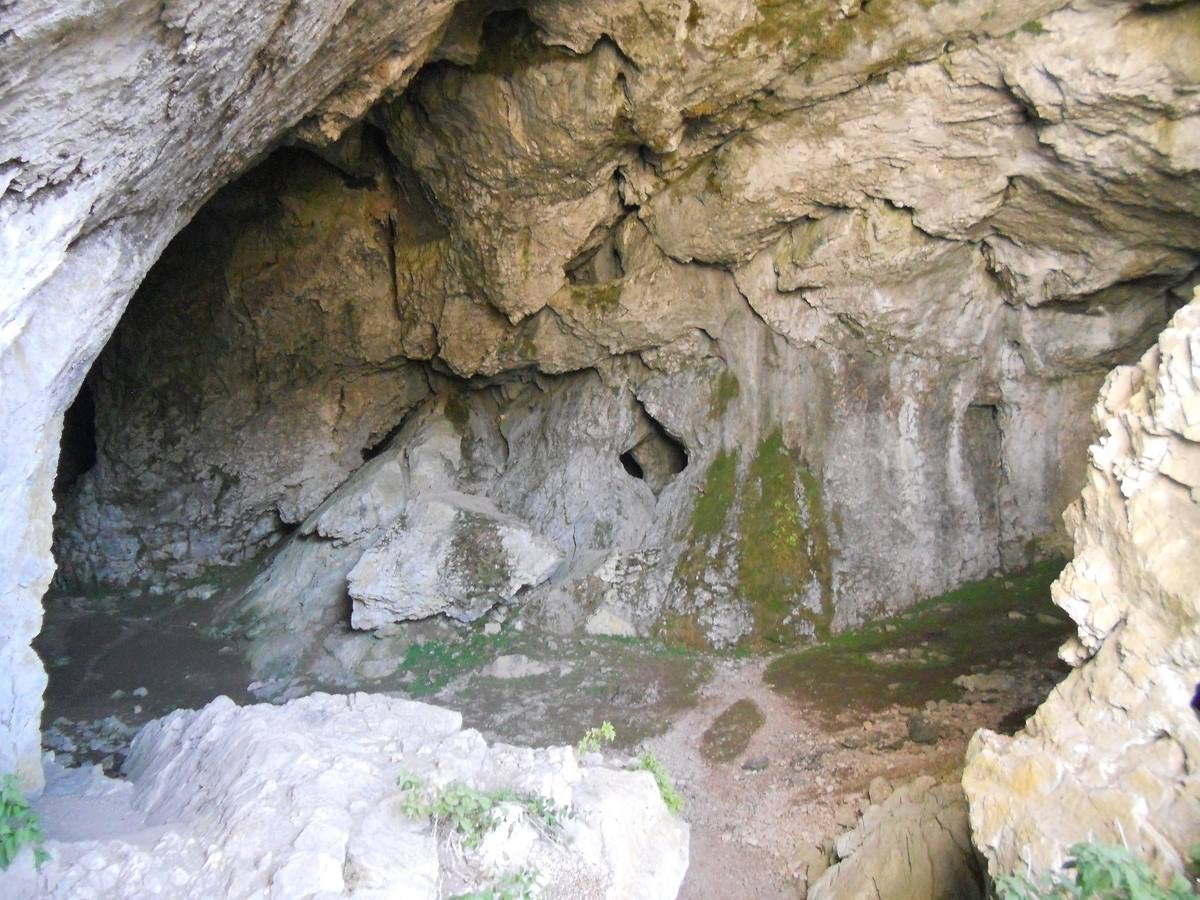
774 755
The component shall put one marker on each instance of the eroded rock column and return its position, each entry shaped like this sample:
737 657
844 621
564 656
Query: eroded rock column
1110 756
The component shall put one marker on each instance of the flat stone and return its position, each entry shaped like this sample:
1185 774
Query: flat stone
922 731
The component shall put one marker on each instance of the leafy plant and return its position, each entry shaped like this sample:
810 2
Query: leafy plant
471 813
19 825
1101 872
517 885
594 737
670 797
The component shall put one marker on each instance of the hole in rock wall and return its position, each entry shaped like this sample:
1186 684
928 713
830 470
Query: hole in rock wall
656 457
632 466
599 263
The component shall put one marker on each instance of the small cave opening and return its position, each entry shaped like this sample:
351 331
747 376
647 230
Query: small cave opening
655 456
599 262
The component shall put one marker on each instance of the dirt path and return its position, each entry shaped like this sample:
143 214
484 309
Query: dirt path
750 822
772 756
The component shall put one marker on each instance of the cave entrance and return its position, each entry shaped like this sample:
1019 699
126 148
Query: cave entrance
275 352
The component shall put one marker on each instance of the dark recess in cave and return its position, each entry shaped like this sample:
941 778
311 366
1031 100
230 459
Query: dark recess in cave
655 457
369 453
77 451
631 465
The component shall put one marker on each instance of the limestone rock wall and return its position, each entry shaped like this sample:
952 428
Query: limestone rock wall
247 379
1109 756
871 259
119 121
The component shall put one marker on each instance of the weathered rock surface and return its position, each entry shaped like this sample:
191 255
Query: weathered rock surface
450 554
302 800
1108 757
119 121
857 266
915 845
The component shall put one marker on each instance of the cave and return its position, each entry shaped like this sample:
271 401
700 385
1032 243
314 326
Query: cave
693 393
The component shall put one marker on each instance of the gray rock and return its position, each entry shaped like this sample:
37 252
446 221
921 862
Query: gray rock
606 622
916 845
995 682
922 731
449 553
879 789
514 665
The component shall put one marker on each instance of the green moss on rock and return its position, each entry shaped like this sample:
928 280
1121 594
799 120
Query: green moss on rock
783 548
601 297
762 544
720 490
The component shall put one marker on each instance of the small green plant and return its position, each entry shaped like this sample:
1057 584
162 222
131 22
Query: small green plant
471 813
19 825
519 885
594 737
670 797
1101 872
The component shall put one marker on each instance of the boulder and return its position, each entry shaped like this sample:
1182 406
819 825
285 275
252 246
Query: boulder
450 553
915 845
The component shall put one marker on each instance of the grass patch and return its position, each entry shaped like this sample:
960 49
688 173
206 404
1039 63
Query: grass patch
519 885
730 734
649 762
471 813
914 657
1098 871
19 825
594 737
434 664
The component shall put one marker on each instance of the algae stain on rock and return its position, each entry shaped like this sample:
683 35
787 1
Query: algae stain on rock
757 547
700 571
725 390
784 569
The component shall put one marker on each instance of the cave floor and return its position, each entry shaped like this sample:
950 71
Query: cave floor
771 753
